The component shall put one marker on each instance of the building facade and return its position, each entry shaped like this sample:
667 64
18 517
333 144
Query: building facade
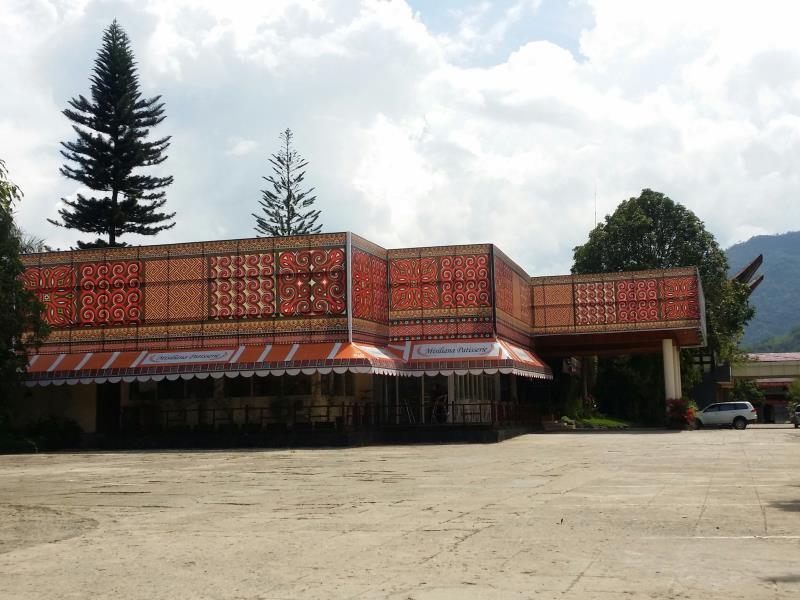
329 332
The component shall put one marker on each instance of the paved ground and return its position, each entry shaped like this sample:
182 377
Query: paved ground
705 514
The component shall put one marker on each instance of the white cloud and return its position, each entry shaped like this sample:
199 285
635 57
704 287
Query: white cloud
409 140
240 147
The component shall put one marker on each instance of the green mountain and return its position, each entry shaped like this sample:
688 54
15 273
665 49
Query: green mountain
782 343
777 299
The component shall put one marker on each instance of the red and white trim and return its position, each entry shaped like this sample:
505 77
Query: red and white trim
410 359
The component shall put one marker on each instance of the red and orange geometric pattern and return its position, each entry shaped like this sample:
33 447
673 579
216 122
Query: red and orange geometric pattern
465 281
504 286
595 303
55 289
312 282
110 293
413 283
637 301
242 286
370 287
680 298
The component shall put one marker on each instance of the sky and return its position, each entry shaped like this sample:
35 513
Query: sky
430 122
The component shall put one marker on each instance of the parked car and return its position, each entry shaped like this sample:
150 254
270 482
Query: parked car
795 418
734 414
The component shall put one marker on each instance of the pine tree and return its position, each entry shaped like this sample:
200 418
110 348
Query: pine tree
284 205
112 131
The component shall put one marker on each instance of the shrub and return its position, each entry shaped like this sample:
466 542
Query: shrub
681 413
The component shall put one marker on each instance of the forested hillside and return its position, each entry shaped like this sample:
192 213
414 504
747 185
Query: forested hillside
777 299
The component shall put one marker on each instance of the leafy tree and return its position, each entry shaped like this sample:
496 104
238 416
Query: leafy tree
112 129
284 206
653 232
746 390
794 395
21 324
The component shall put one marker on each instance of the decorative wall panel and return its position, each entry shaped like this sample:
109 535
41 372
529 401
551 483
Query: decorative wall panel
312 282
680 298
109 293
594 303
55 289
242 286
637 301
370 287
414 283
465 281
294 289
661 299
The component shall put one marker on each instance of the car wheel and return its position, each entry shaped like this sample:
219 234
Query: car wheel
698 424
796 425
739 423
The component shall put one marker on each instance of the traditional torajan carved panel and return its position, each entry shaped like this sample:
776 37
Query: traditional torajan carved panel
370 287
414 283
440 292
512 299
110 293
312 282
55 289
242 286
660 299
295 289
465 281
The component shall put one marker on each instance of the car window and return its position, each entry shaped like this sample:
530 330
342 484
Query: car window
712 408
728 407
742 406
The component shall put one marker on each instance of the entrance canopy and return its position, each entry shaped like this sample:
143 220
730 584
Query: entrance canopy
413 358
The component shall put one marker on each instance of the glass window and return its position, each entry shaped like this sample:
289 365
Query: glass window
712 408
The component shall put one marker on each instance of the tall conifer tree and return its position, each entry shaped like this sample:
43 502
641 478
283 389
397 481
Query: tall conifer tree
285 205
112 129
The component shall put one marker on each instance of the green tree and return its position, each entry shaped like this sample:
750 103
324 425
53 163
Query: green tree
794 395
286 207
21 325
653 232
112 129
746 390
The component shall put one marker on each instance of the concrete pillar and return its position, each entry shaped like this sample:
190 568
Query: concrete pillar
669 368
677 369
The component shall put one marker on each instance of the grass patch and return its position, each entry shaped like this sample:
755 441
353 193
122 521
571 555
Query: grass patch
606 422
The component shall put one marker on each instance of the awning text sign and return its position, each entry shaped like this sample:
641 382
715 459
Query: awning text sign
455 350
180 358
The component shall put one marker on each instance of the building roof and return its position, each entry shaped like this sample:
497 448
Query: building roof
775 356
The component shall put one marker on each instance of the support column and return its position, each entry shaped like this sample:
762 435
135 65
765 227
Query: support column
669 368
677 369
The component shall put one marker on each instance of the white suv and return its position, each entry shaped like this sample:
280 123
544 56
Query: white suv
735 414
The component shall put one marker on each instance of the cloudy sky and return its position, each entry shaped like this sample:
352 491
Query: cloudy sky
432 121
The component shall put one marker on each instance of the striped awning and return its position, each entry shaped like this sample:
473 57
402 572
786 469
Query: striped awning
412 359
469 357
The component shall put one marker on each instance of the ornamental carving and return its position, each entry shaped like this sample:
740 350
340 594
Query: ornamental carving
55 289
110 293
312 282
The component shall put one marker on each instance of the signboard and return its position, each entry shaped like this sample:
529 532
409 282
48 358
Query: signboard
180 358
455 350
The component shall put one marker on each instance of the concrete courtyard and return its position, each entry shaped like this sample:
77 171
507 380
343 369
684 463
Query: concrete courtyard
703 514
